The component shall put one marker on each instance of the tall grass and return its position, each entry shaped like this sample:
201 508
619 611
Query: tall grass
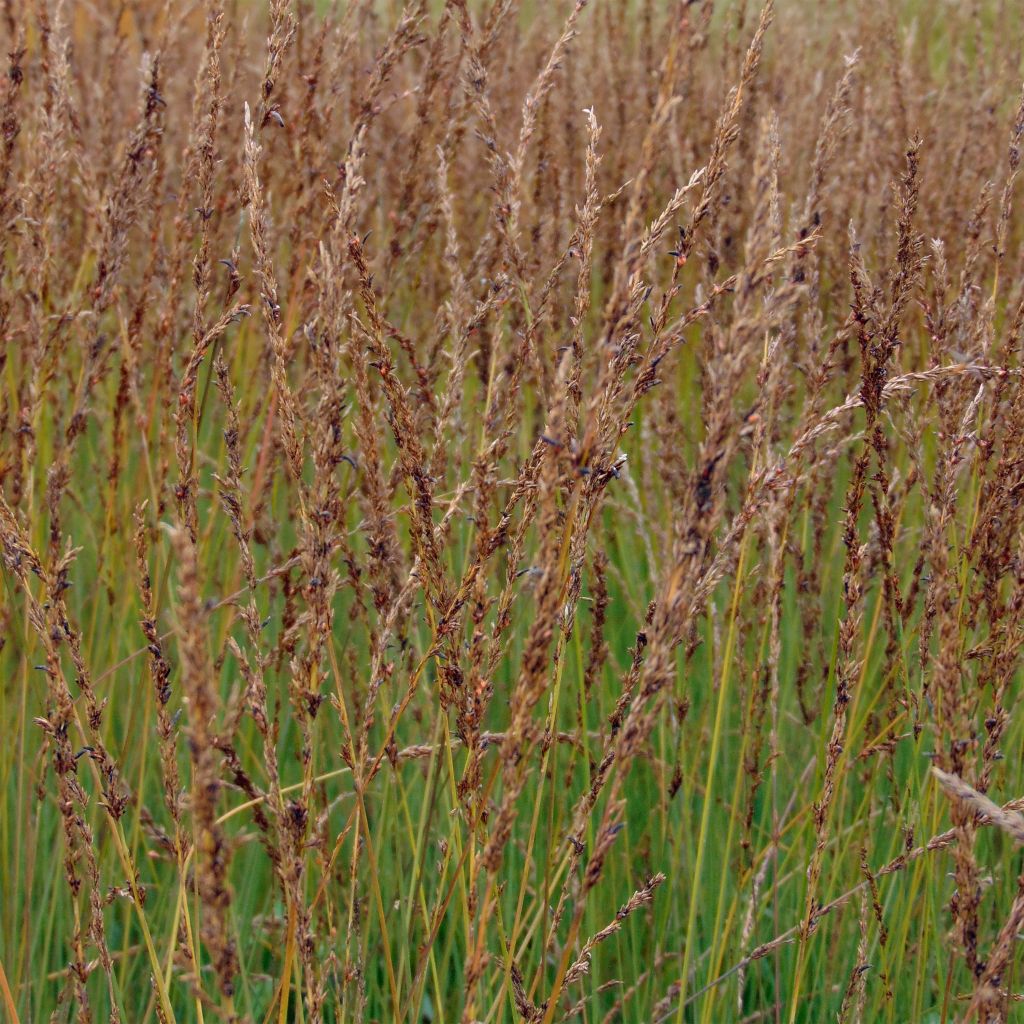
511 511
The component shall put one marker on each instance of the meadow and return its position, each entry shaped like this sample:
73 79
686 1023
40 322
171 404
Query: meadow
511 511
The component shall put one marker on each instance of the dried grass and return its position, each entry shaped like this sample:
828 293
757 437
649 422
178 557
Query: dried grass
501 505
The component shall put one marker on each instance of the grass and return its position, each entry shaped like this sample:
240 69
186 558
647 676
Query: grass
511 511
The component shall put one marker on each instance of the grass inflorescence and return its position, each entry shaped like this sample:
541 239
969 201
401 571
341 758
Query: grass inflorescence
511 511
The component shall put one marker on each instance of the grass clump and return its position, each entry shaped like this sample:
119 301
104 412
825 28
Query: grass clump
511 511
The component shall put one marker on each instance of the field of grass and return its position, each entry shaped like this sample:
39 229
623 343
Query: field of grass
511 511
